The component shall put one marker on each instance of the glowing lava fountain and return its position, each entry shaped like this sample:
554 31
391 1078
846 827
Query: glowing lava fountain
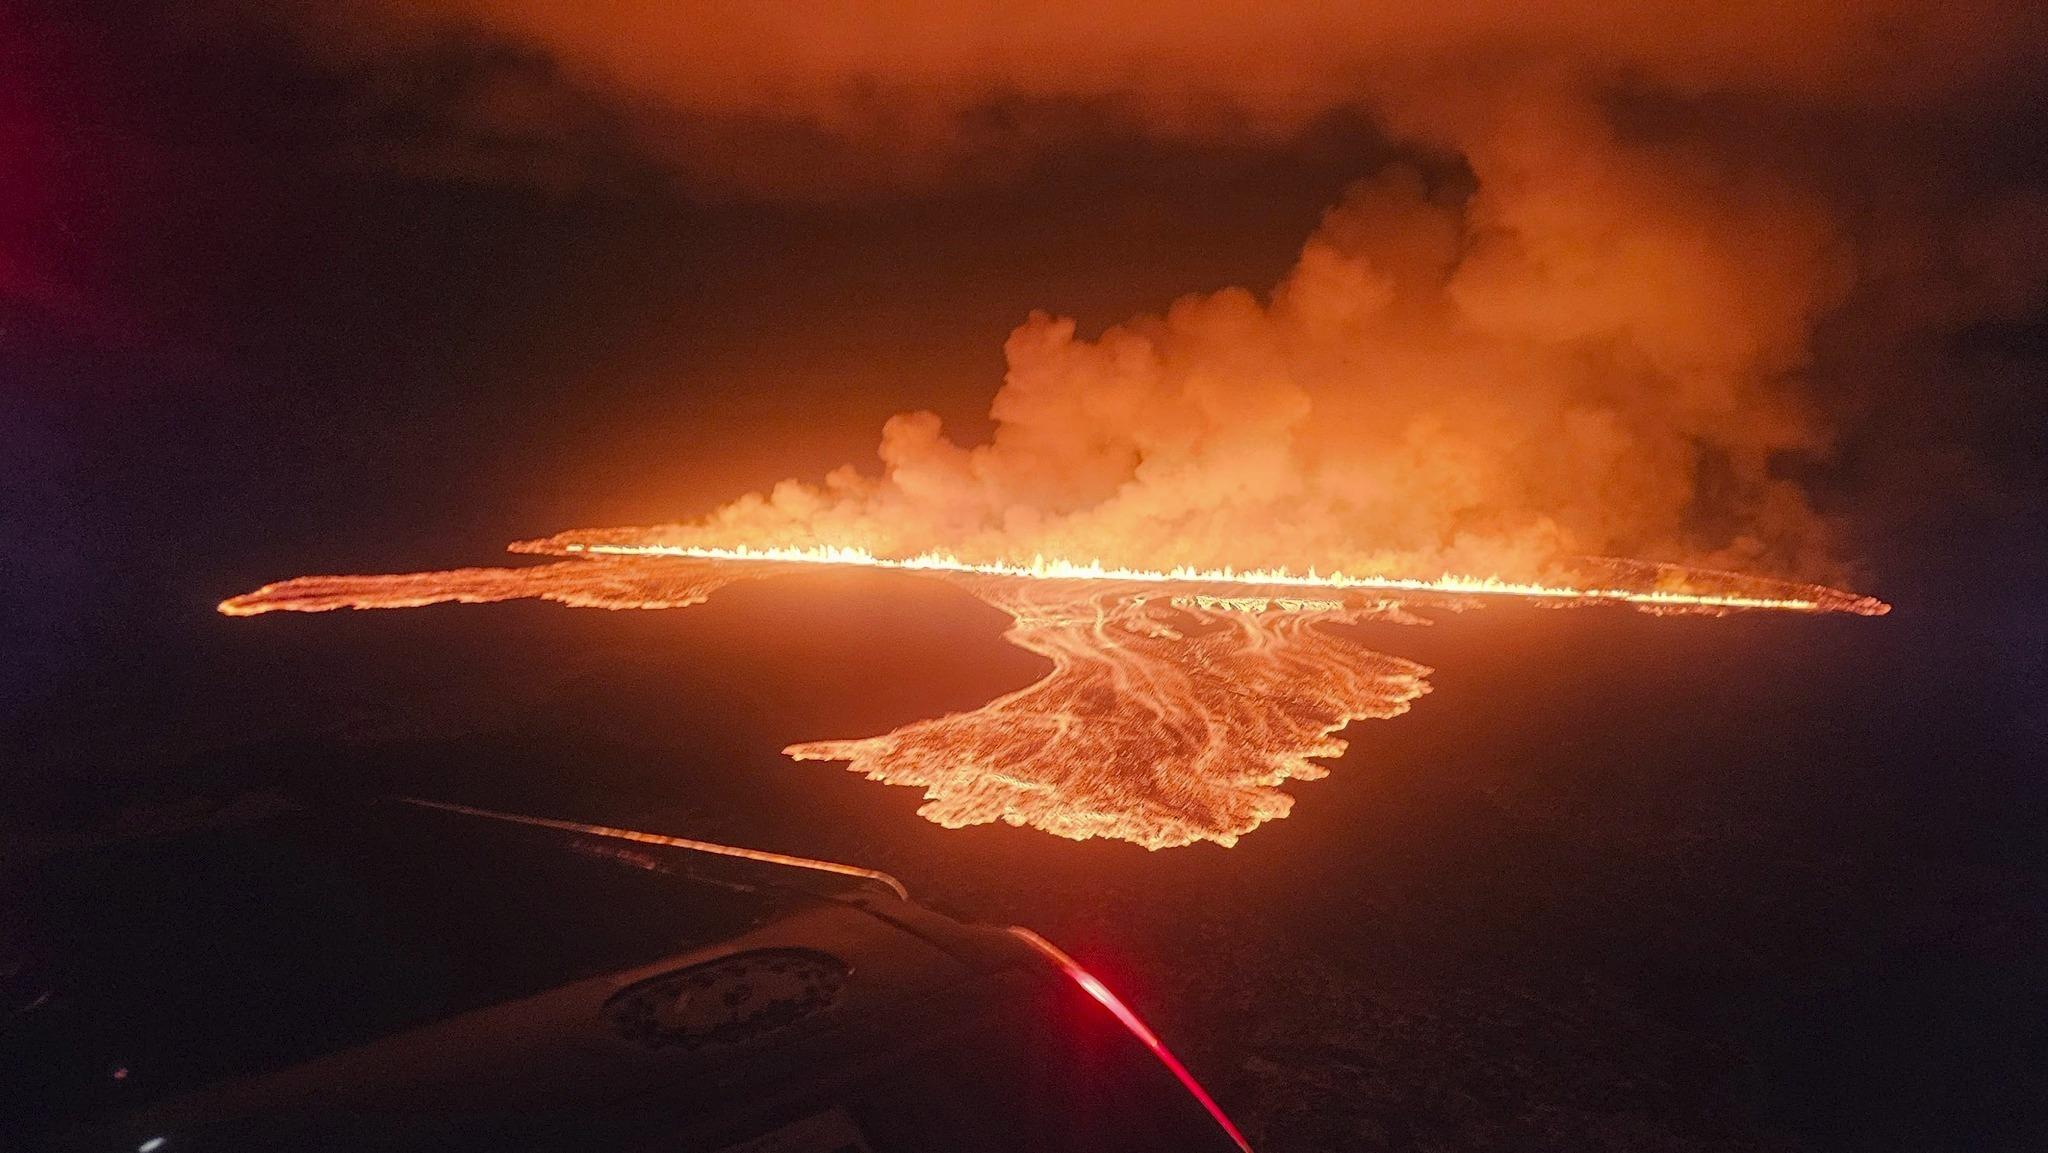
1784 597
1178 702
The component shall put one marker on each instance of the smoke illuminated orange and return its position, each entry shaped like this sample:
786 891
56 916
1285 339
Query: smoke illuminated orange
1178 701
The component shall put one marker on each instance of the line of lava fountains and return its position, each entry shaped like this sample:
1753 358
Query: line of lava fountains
1821 599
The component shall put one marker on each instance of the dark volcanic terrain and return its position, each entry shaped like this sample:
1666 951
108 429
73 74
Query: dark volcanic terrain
1617 882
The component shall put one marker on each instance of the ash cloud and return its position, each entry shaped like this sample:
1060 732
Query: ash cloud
1594 332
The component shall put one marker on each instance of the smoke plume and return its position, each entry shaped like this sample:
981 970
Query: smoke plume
1483 381
1578 319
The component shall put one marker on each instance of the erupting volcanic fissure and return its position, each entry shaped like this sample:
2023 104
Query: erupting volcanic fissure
1790 598
1503 366
1177 703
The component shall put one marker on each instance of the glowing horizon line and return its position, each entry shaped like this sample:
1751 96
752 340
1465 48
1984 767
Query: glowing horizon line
1042 568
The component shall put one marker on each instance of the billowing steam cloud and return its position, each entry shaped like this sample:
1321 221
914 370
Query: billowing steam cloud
1544 367
1588 333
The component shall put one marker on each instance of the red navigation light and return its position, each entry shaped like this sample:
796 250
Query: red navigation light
1096 989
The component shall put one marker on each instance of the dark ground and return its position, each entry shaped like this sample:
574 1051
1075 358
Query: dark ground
1618 882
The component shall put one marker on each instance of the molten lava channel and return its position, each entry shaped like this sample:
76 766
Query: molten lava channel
1178 700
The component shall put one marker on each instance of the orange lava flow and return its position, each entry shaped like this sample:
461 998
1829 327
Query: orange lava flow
1177 704
1159 725
610 584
